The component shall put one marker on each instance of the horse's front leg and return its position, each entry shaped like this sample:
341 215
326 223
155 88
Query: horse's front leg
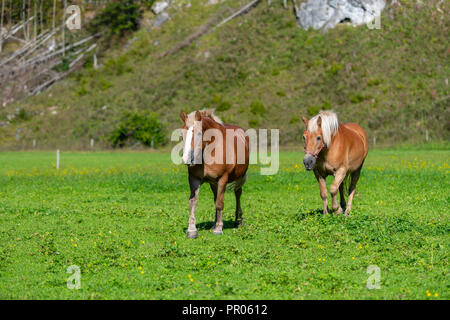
338 178
194 184
218 227
323 191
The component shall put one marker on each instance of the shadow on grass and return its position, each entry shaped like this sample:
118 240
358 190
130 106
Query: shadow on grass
227 224
309 213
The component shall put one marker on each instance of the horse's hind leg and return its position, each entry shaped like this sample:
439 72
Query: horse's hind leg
214 190
194 184
239 220
341 195
352 190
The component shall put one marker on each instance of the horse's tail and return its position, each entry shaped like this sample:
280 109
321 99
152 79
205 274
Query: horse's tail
346 181
237 184
346 184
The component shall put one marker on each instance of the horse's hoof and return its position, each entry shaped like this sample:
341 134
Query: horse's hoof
338 211
238 224
218 232
192 234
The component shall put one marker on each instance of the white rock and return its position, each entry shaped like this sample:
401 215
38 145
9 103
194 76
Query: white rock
327 14
160 19
159 6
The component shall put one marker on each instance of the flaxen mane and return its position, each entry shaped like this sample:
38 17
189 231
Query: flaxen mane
329 125
205 113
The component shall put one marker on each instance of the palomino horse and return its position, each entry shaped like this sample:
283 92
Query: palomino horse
334 149
218 154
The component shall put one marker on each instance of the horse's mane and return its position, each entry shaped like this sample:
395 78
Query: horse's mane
205 113
329 125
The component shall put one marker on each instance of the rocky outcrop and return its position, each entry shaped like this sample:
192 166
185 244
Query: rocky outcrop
326 14
161 19
159 6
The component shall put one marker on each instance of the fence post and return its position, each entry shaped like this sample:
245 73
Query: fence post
95 61
57 159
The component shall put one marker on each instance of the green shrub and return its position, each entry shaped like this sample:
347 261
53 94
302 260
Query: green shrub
294 120
118 66
224 106
357 98
253 123
149 3
257 108
117 18
373 82
21 115
312 111
326 105
334 69
217 103
139 127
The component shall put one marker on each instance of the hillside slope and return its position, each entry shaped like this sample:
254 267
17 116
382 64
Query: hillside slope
258 70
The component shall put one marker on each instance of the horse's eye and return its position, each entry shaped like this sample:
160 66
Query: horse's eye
318 138
304 138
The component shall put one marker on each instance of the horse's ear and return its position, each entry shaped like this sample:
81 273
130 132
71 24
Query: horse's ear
305 121
183 116
319 122
198 116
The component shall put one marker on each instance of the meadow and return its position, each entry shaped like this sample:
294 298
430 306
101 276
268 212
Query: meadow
121 217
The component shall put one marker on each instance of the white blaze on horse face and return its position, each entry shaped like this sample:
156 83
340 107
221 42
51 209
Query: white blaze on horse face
187 150
197 153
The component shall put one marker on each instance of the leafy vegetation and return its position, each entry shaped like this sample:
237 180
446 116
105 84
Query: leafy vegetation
122 218
139 127
117 18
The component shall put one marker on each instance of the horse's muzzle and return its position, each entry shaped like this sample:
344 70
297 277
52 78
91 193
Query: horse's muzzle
309 161
190 159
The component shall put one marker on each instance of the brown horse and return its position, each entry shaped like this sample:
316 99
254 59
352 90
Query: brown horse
334 149
218 154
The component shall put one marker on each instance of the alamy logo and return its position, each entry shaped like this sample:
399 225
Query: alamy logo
74 281
197 147
74 20
373 282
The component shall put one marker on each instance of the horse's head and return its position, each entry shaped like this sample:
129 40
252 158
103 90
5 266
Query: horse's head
192 138
314 143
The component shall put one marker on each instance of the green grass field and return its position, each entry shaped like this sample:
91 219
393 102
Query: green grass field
122 218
